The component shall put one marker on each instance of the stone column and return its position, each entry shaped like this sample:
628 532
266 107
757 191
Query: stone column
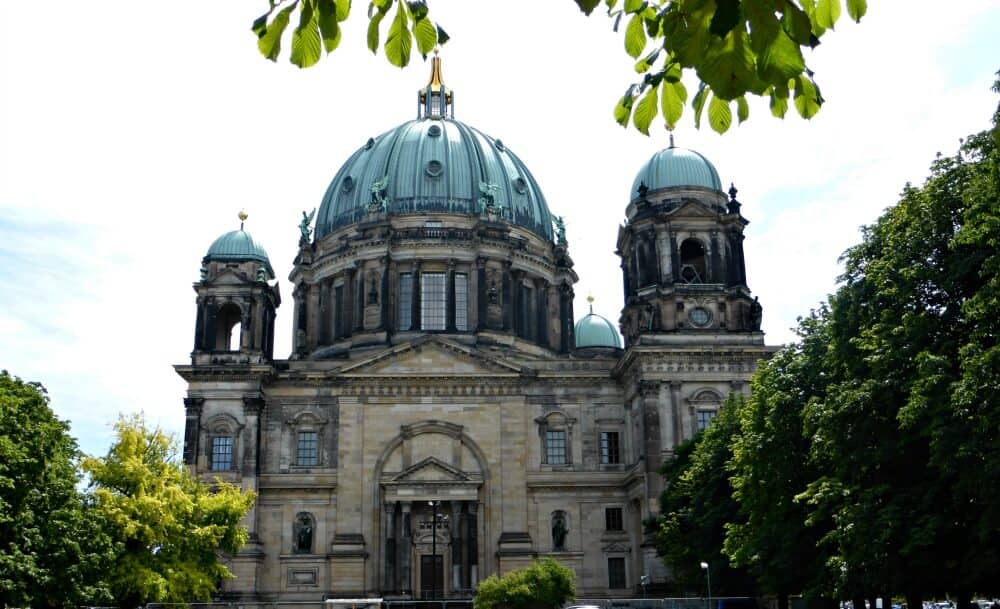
313 315
449 297
405 548
199 324
192 409
456 546
477 286
472 543
664 254
389 539
650 391
253 406
716 268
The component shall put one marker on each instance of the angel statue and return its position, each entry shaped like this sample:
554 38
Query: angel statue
560 230
304 226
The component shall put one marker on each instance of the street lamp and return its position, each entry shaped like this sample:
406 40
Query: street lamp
434 538
708 576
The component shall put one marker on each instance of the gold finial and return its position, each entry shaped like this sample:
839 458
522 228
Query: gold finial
243 218
590 301
437 80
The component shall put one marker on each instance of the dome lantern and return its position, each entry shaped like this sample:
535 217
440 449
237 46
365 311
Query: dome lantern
435 100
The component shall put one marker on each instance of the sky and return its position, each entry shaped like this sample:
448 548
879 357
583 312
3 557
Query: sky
132 134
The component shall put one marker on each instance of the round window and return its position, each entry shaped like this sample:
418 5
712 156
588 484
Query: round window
520 185
434 168
700 317
434 131
348 184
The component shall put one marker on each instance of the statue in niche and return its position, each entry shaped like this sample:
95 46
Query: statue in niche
559 530
647 317
302 531
373 291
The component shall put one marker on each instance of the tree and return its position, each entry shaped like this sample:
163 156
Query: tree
52 546
697 506
903 435
543 583
167 525
770 467
734 47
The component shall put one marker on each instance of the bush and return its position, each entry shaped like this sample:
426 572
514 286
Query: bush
544 583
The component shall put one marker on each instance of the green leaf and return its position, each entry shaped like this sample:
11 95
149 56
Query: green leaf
780 60
827 13
728 66
343 9
635 37
672 72
623 109
418 9
807 98
797 23
443 36
647 62
269 43
426 35
373 25
857 9
328 26
398 44
779 100
645 110
672 102
742 109
687 37
727 15
698 103
260 24
634 6
587 6
720 116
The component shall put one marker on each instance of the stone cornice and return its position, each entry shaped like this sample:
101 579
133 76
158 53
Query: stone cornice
236 372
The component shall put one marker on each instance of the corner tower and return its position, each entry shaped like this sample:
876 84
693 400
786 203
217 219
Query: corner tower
681 253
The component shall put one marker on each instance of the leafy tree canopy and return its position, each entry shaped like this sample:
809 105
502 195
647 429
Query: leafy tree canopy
167 525
543 583
735 48
52 546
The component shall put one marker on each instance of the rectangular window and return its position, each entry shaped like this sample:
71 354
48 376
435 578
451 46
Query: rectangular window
613 519
555 447
610 448
616 572
222 453
405 301
461 302
433 307
307 452
704 418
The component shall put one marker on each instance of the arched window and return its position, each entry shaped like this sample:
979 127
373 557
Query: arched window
229 327
693 261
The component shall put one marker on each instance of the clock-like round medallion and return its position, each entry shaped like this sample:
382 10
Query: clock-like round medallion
700 317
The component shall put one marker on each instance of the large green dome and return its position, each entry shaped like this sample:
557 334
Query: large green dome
595 331
434 164
238 246
676 168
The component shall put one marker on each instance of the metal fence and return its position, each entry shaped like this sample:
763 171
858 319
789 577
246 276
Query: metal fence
722 602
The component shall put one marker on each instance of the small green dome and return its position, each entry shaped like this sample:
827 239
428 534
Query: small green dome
676 167
595 331
238 246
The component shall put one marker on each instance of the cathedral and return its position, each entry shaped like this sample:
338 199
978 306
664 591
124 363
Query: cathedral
443 415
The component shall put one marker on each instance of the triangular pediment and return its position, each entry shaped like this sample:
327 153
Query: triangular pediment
430 469
692 208
431 356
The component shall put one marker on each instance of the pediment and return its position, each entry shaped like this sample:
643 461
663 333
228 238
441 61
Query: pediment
430 469
431 356
616 548
692 208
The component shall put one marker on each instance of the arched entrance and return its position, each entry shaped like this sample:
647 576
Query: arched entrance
431 489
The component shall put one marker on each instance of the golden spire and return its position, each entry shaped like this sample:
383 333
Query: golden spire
243 218
590 300
437 80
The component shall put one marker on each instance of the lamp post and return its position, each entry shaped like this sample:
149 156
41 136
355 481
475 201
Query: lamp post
434 523
708 577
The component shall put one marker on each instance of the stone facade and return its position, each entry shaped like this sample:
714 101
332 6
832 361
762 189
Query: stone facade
435 423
